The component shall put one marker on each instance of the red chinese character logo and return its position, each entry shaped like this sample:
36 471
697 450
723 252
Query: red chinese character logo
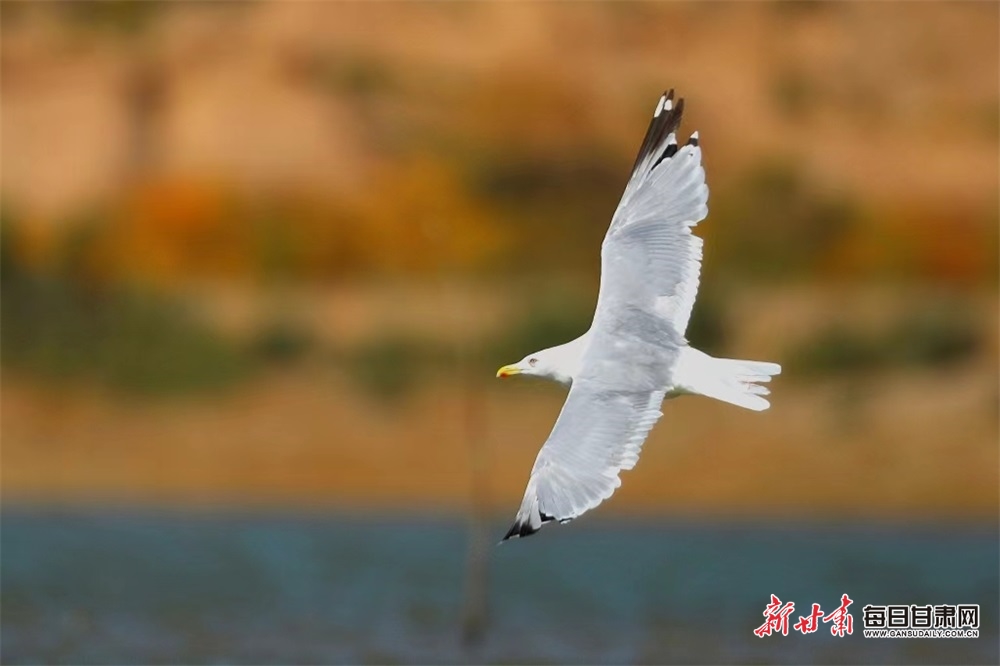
777 618
843 623
810 623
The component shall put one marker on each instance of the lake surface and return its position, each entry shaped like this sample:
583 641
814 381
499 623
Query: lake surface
118 587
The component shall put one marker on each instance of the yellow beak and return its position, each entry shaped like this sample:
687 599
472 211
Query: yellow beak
508 370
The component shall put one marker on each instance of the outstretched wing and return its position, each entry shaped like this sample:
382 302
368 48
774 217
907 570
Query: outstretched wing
598 433
650 257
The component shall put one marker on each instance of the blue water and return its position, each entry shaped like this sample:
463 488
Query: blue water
132 587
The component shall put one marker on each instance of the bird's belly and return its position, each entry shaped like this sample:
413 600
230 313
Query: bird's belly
636 367
634 351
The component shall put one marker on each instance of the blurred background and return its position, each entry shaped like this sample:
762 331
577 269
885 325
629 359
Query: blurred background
261 260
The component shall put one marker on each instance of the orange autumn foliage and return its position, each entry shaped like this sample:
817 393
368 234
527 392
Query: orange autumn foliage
412 217
168 231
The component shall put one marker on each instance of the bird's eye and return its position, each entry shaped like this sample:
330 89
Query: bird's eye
532 362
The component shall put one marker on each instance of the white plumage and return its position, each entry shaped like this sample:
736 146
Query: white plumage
635 354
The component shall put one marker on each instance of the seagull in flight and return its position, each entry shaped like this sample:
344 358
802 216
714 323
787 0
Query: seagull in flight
635 354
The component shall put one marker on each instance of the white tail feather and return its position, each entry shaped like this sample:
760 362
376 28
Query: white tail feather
729 380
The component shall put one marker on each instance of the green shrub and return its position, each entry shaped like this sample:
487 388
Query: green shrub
130 339
281 341
390 367
934 338
776 224
837 350
929 338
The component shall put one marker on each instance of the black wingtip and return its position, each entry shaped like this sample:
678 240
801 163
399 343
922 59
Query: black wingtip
665 103
666 119
668 153
522 528
519 529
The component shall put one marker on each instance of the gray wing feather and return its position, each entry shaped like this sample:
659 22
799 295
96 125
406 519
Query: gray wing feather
649 256
598 433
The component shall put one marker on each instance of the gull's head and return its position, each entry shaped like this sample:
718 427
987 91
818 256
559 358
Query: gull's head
557 363
532 364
